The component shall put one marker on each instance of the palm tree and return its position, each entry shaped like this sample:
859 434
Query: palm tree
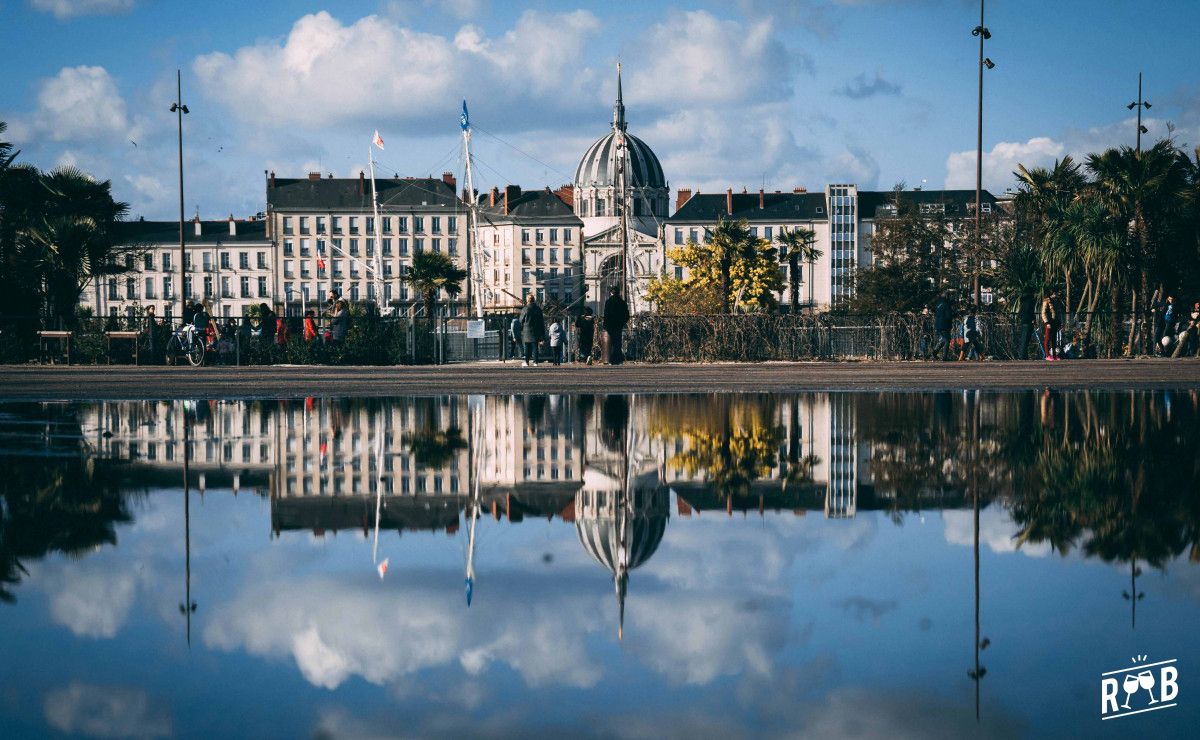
431 273
728 238
799 245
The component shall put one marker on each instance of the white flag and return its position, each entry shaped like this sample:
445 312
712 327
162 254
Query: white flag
378 140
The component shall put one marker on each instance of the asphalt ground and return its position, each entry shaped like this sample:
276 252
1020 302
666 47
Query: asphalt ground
57 382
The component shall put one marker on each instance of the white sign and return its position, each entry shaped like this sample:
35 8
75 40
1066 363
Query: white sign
1147 687
475 329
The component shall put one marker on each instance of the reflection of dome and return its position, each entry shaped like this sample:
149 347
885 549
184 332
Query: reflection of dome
599 531
598 167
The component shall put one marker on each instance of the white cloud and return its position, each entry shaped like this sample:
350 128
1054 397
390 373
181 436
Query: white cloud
1001 162
996 530
79 104
64 9
89 599
105 711
326 72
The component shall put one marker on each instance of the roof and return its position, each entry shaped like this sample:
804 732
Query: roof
707 208
167 232
597 168
532 206
354 194
957 202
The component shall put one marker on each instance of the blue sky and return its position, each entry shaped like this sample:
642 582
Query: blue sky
743 93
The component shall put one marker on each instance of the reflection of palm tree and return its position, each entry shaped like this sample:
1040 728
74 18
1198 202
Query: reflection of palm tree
435 449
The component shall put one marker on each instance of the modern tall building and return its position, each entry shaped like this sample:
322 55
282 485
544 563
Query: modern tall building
231 264
843 220
324 230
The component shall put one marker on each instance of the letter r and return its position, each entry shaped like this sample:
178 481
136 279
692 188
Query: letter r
1108 693
1169 682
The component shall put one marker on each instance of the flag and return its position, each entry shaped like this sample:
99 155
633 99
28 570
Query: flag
378 140
382 568
464 120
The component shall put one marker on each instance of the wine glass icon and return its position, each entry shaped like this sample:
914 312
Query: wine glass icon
1130 686
1146 681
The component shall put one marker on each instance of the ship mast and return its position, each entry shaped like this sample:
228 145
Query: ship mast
475 286
376 268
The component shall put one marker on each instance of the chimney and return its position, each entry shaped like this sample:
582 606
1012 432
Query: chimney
492 196
362 183
272 180
314 175
566 194
196 222
232 226
762 200
684 195
729 201
799 189
448 178
511 193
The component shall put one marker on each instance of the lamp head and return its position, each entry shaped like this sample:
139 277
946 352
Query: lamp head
988 63
981 31
1144 130
1131 106
175 107
1147 104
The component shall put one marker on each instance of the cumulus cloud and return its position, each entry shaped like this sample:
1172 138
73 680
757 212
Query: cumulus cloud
106 711
327 72
89 599
64 9
863 86
79 104
996 530
1001 162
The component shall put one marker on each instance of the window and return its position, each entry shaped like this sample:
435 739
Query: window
985 207
754 231
767 233
554 236
403 247
187 262
130 288
245 285
540 255
553 256
371 248
166 283
419 224
370 224
304 224
692 236
166 260
354 292
354 247
418 245
599 207
452 247
566 255
262 286
435 224
524 236
206 261
225 261
287 247
387 269
244 260
525 257
566 236
679 236
452 224
539 234
187 287
929 209
437 244
354 224
287 224
147 261
305 247
149 288
337 267
402 224
387 224
304 269
262 260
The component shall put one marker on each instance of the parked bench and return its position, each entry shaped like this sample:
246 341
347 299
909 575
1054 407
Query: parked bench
63 338
132 336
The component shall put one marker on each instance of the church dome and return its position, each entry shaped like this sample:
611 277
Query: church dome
599 528
598 167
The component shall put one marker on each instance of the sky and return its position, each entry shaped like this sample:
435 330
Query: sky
732 93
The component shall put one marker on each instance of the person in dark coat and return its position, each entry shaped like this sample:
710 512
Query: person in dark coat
942 320
585 330
1025 311
616 316
269 325
533 329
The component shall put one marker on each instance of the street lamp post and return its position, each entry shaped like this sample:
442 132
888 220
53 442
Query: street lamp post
1139 104
983 33
178 108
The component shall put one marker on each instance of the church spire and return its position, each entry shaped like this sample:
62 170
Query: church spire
619 108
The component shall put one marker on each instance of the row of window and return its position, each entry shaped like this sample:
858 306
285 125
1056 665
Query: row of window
245 288
385 247
350 224
167 259
539 236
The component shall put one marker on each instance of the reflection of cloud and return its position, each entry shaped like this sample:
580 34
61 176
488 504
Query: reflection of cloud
336 630
89 599
868 714
862 606
105 711
996 530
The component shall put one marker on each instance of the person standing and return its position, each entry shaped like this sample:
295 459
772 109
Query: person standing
555 335
941 325
533 328
310 326
514 333
339 324
1024 325
1051 323
616 316
970 350
1168 317
585 331
152 334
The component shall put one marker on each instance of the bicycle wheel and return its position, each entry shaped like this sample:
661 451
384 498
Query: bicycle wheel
195 353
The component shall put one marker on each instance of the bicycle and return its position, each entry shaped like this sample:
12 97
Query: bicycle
186 342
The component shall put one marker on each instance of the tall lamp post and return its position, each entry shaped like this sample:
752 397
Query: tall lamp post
178 108
983 33
1139 104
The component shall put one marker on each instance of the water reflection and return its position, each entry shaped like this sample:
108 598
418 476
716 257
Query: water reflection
1110 478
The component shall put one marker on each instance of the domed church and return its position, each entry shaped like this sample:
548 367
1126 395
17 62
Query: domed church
617 163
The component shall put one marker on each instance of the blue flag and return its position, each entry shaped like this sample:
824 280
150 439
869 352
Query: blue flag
463 120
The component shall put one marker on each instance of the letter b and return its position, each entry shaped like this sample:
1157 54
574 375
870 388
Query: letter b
1169 680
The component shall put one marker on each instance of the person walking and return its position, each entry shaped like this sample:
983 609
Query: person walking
555 335
1024 325
585 333
942 320
514 333
970 350
616 316
533 328
1051 323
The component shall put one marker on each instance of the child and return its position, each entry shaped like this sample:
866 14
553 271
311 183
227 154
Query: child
556 337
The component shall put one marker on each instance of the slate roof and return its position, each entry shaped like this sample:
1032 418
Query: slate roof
599 164
705 208
167 232
351 194
532 207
